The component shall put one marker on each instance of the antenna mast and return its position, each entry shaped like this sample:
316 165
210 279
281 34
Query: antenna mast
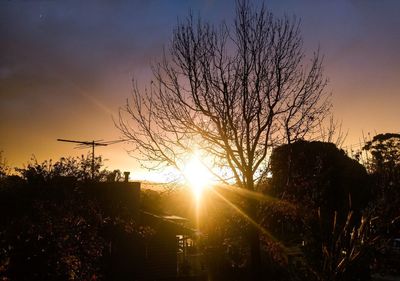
87 144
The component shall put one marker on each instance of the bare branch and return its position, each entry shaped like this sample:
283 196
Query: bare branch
231 92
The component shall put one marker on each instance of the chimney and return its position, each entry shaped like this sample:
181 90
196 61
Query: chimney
126 174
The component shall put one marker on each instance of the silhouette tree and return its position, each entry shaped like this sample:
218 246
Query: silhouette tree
323 196
229 93
320 176
4 168
384 166
385 152
79 168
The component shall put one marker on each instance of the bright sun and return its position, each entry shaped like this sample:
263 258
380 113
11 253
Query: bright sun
197 175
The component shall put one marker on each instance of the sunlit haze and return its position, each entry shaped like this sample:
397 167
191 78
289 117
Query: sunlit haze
197 175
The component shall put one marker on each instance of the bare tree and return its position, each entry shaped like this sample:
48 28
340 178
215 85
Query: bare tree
232 92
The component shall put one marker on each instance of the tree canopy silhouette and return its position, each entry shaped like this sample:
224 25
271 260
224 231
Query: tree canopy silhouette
383 162
385 152
319 176
79 168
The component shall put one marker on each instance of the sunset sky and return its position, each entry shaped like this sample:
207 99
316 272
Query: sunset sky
66 66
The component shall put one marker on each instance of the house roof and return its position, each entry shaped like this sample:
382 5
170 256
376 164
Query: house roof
172 222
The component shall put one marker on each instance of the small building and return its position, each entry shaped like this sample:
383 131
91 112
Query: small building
161 248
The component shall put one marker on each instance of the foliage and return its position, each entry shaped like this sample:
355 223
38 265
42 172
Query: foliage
60 229
322 195
311 249
4 168
385 151
151 201
348 252
48 236
285 220
79 168
384 167
318 175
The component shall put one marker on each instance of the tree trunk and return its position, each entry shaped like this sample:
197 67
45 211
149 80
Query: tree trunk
255 252
254 240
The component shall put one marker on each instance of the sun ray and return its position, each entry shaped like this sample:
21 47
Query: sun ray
249 193
247 217
199 177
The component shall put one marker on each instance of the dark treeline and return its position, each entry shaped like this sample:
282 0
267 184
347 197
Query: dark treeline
323 215
55 226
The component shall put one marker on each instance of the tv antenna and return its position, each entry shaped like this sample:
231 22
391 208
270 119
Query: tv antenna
82 144
93 143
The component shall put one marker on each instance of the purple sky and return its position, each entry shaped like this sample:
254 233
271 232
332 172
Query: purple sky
66 66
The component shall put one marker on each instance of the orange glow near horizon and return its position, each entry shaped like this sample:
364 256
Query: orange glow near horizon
52 87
